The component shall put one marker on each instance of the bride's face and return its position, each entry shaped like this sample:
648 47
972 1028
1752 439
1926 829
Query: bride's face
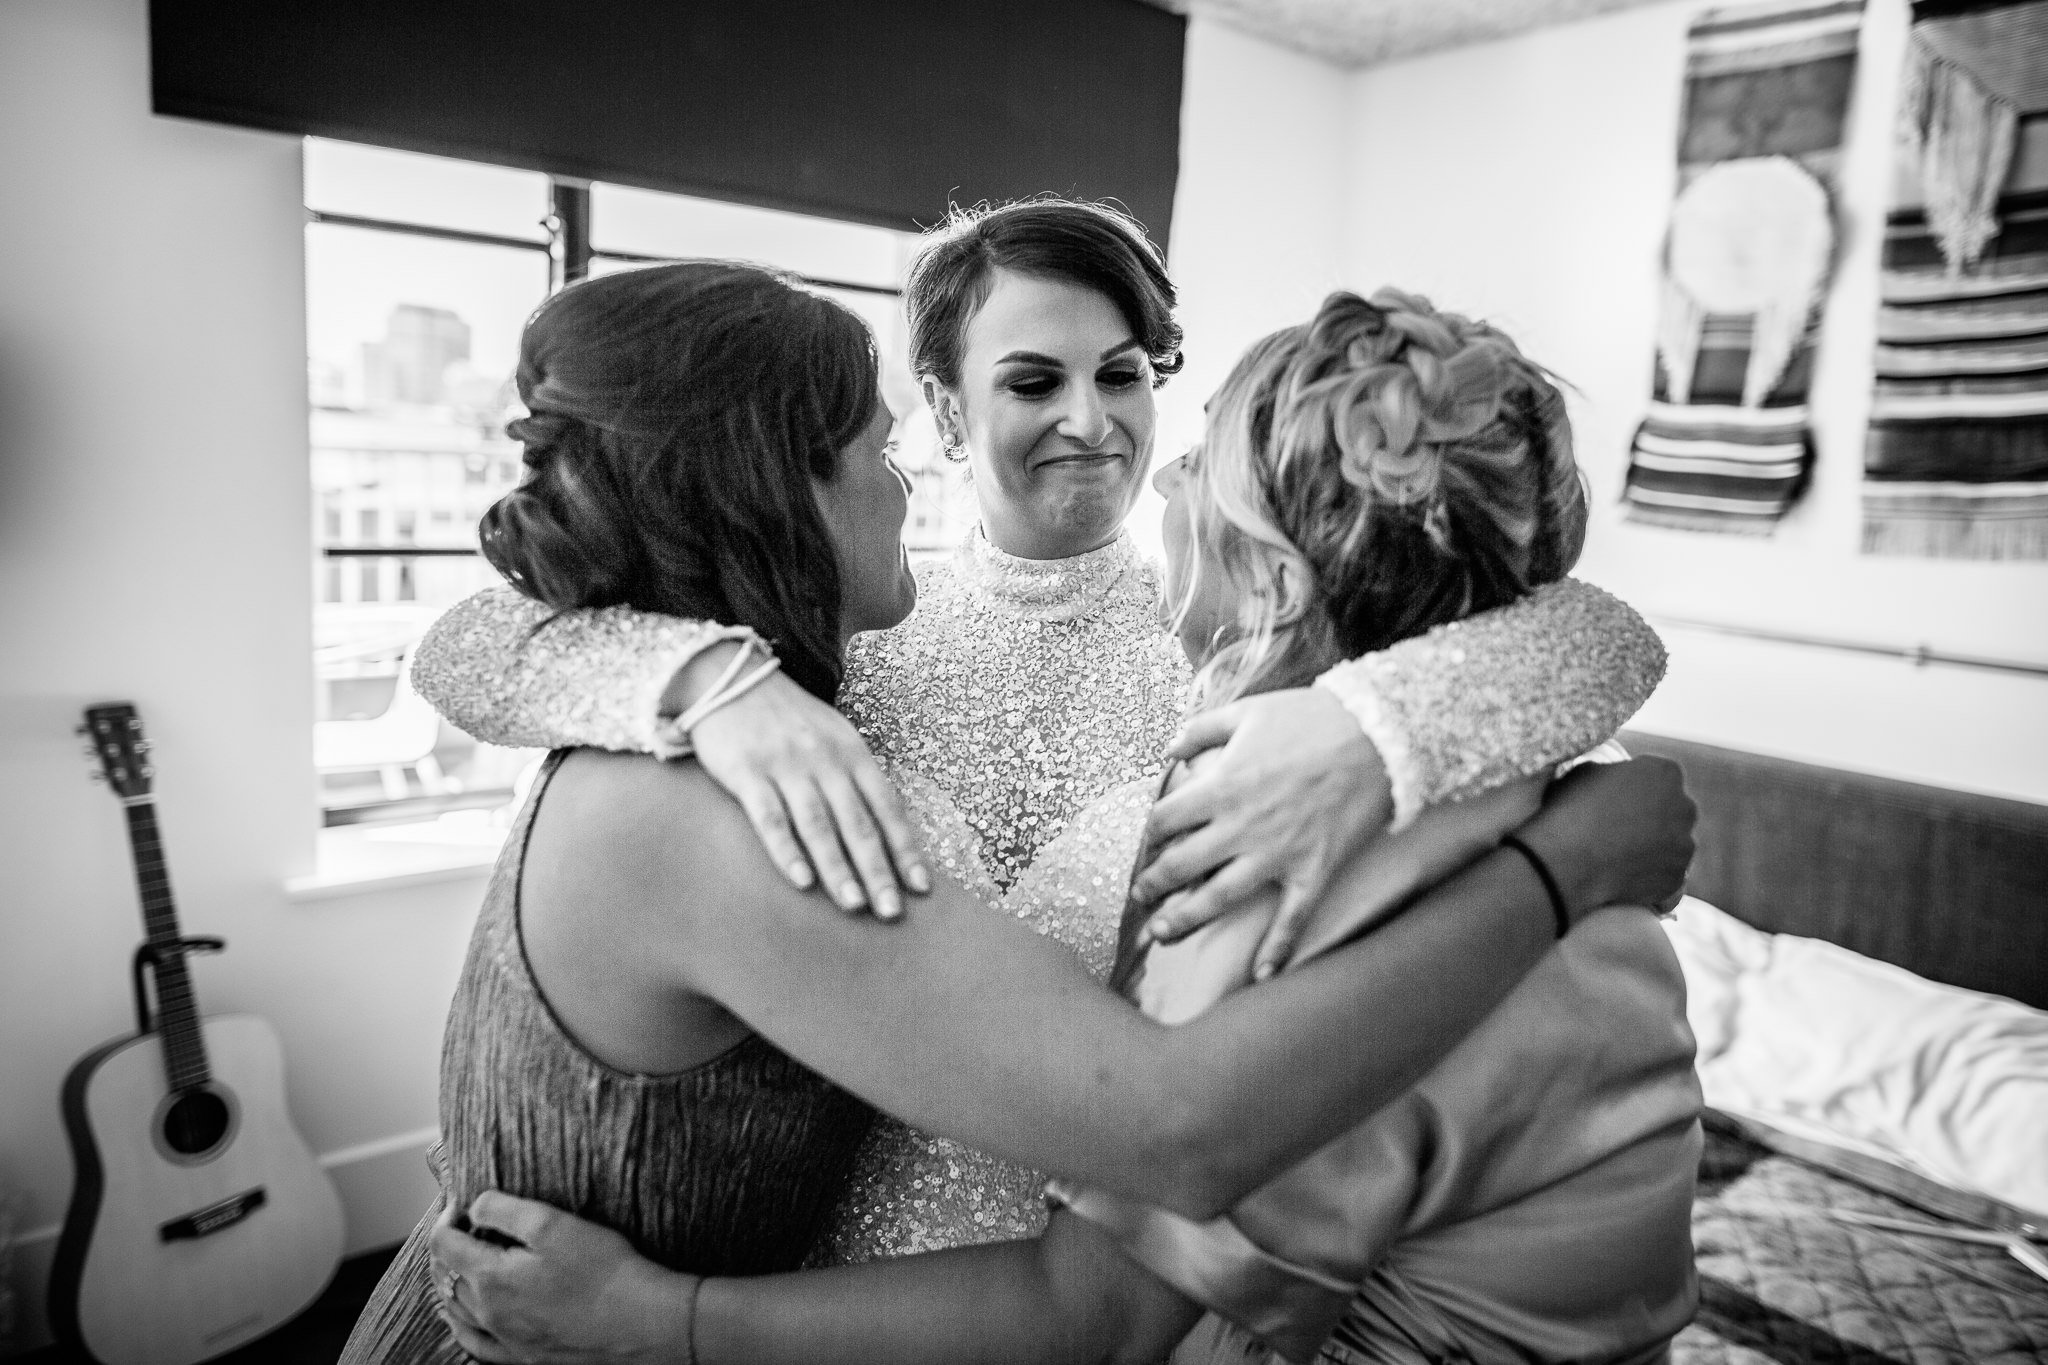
863 506
1055 408
1213 603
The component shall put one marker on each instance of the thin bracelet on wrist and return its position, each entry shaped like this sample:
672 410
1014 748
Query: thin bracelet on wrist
730 686
1559 912
672 739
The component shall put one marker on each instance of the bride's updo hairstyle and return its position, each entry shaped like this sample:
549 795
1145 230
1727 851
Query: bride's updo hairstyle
1382 470
677 416
1090 245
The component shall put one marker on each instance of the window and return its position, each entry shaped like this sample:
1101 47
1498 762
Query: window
420 273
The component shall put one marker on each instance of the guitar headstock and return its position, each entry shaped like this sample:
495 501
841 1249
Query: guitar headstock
119 749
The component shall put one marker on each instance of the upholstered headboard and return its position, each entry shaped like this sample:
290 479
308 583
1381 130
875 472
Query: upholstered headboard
1948 884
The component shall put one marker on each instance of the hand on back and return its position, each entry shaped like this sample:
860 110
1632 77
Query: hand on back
543 1287
1292 794
1295 791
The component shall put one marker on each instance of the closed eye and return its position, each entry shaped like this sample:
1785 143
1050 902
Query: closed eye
1034 385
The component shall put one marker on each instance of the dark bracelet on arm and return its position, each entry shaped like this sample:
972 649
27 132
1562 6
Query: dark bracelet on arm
1558 910
690 1324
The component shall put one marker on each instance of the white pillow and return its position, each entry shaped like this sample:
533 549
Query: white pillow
1830 1046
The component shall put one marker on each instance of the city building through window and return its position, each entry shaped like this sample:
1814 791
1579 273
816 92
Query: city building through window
420 272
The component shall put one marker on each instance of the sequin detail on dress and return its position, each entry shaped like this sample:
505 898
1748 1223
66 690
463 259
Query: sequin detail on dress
912 1191
1475 703
512 671
1024 688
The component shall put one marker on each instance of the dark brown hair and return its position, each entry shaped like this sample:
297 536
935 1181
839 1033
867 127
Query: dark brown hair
1090 245
677 418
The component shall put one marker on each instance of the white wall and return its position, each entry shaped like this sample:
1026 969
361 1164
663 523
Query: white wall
1258 218
1258 214
155 545
1530 181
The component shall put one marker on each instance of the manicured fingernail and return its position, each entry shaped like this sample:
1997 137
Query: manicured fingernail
1264 971
851 896
1148 933
919 879
800 873
888 905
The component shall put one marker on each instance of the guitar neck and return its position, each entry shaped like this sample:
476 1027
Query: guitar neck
177 1009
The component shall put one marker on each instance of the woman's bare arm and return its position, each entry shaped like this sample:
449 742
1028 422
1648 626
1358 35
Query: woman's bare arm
967 1023
552 1288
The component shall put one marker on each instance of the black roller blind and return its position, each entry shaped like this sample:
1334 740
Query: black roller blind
873 111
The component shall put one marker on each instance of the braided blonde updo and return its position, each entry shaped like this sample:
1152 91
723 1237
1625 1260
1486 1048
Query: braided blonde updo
1381 470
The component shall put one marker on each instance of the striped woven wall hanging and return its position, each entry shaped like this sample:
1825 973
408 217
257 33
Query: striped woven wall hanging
1956 462
1727 444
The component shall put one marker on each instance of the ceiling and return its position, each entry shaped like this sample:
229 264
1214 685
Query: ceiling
1361 32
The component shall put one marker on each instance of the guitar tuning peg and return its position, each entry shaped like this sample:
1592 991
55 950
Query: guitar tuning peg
96 775
148 771
79 729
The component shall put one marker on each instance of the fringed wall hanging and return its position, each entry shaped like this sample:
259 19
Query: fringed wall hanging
1956 463
1727 445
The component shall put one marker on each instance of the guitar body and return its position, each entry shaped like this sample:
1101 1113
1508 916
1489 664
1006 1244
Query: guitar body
170 1256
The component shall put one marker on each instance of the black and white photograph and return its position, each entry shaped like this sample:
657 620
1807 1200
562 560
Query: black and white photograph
1024 682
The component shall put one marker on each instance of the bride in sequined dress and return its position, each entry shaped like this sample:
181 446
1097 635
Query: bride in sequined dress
1035 676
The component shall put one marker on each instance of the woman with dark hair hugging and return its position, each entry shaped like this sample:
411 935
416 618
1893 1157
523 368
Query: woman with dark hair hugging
655 1031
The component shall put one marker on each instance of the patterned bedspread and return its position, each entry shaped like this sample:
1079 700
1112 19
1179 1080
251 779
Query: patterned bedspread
1782 1282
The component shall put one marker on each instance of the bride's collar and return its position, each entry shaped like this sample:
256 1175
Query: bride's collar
1045 589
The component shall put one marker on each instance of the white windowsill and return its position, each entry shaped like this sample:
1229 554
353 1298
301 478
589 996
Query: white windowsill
350 860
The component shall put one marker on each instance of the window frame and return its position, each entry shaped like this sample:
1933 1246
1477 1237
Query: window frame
567 244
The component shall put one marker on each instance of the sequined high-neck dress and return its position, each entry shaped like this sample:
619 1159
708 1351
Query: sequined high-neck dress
1024 690
1038 696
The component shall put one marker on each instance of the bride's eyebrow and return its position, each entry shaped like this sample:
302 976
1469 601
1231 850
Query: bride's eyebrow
1039 358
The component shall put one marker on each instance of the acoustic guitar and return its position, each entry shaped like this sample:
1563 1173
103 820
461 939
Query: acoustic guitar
199 1220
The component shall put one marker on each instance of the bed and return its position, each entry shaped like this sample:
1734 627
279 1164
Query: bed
1953 888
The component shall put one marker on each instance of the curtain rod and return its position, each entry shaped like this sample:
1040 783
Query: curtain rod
1917 654
446 234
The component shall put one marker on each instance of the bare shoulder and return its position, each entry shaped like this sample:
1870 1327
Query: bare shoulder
645 836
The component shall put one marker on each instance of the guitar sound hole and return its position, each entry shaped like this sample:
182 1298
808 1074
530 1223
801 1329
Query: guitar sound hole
196 1122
